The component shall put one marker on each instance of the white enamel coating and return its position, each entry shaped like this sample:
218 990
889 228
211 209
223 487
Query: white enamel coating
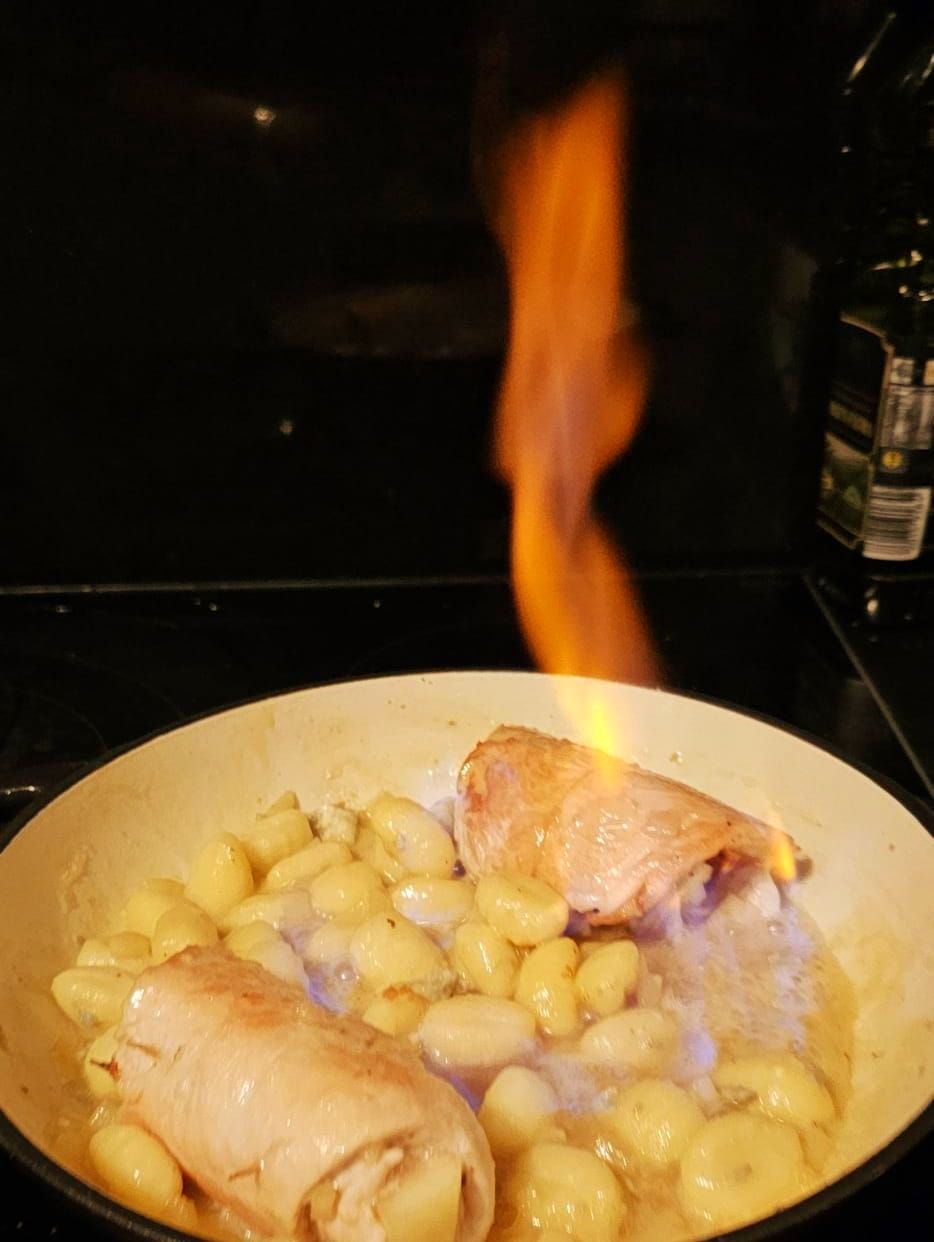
143 814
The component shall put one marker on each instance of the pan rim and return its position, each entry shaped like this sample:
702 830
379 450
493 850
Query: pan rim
116 1216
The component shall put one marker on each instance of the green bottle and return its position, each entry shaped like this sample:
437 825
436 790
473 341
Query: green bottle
877 474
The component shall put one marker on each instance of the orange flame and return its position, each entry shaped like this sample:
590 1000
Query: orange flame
783 866
573 391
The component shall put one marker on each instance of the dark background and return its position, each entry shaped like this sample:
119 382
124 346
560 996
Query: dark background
243 351
253 324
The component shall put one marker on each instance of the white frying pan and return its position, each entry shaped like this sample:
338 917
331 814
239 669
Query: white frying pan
67 868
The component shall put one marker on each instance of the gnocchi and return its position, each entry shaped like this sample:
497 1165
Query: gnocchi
305 864
638 1040
517 1105
220 878
278 909
370 848
280 959
182 925
92 995
396 1011
609 974
555 1186
485 960
182 1213
565 1041
479 1032
739 1167
546 986
129 951
432 901
135 1166
148 904
274 837
411 835
387 950
351 891
243 940
521 908
97 1061
260 942
781 1088
287 801
655 1120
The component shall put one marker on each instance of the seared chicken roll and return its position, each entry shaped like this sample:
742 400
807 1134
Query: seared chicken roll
612 838
305 1123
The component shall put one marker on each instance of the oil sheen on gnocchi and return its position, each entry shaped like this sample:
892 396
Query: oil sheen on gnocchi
625 1092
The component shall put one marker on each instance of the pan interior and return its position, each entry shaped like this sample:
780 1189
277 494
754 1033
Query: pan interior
71 867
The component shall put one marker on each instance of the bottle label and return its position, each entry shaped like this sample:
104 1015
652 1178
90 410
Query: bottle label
878 467
896 518
907 408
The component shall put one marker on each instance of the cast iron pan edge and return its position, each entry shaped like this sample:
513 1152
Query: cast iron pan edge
123 1222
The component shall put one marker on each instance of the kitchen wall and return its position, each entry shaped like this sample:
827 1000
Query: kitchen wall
255 319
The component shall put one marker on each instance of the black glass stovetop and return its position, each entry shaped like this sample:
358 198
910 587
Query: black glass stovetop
84 672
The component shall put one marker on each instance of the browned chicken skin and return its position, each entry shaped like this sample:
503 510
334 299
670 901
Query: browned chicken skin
262 1096
611 837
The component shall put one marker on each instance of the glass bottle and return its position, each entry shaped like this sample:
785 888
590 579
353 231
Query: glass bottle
877 476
